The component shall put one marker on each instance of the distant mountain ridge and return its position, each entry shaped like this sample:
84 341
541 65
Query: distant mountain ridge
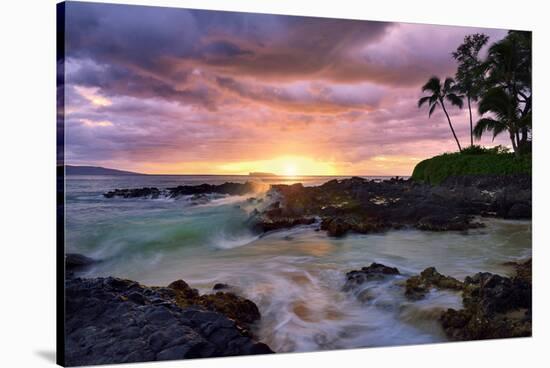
95 170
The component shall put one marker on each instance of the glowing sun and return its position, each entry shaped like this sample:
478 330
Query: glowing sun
290 169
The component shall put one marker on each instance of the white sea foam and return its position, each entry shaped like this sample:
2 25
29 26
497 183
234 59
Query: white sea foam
223 241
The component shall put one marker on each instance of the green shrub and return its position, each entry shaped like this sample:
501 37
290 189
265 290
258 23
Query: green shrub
479 150
473 161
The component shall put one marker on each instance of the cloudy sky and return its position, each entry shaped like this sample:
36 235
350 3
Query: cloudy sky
164 90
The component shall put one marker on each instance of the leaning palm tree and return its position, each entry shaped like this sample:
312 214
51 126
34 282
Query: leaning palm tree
438 94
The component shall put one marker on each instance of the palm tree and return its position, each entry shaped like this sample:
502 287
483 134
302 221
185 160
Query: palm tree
470 72
438 94
508 93
506 115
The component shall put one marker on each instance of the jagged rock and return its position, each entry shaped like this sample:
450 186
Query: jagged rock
524 270
496 294
519 211
365 206
77 262
265 225
340 226
375 271
512 203
494 307
221 286
416 287
184 190
446 223
336 227
183 290
147 324
225 188
242 310
134 193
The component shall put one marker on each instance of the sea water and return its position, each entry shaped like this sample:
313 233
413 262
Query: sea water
295 276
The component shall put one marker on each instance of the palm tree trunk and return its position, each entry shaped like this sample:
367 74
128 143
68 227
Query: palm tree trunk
450 125
518 142
514 145
524 132
471 123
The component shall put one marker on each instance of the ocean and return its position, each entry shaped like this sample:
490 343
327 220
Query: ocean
294 276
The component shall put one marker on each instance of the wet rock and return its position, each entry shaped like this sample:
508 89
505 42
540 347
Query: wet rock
100 311
134 193
254 200
138 298
446 223
77 262
512 203
336 227
375 271
494 307
225 188
220 286
340 226
364 206
524 271
185 190
416 287
183 290
496 294
519 211
277 223
242 310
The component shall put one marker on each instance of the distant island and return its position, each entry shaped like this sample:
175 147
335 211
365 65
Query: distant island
95 170
261 174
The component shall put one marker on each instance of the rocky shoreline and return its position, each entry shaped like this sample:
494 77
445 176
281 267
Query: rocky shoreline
494 306
367 206
112 320
186 190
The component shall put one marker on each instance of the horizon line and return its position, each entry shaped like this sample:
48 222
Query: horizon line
268 174
246 175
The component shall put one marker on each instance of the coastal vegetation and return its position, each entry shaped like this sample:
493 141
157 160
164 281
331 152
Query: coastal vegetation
472 161
500 85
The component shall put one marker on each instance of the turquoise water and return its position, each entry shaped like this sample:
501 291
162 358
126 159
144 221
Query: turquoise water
295 276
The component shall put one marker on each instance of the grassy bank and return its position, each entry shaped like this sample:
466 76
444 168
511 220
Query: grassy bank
438 168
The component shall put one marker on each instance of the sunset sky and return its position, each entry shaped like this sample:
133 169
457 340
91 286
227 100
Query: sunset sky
174 91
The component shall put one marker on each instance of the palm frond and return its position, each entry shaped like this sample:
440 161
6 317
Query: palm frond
495 100
448 84
433 85
498 129
423 100
486 124
454 99
432 110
